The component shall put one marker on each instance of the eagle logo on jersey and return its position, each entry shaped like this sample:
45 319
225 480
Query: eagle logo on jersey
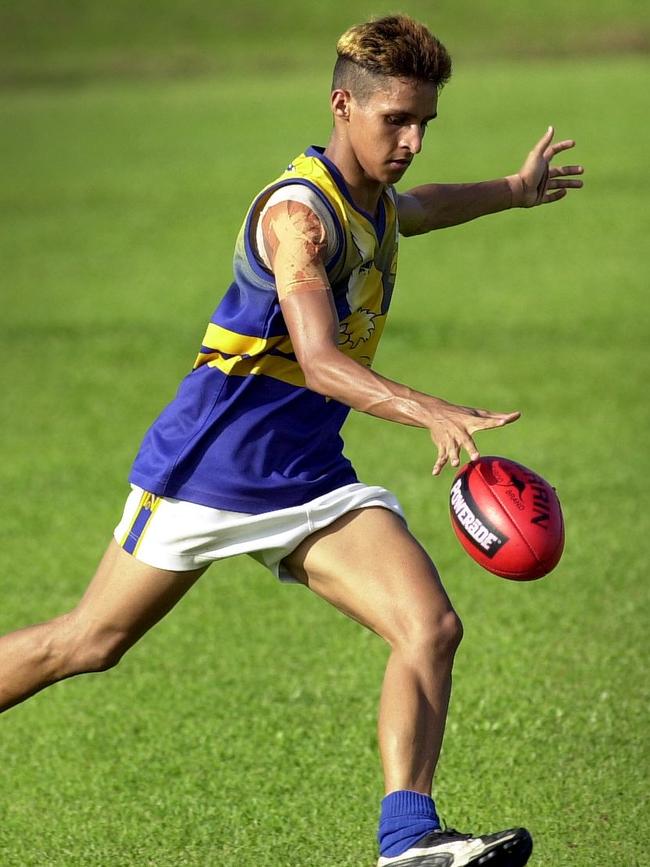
357 328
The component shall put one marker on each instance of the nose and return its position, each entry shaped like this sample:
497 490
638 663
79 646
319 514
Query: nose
412 138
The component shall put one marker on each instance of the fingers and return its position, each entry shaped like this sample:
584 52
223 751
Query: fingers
557 147
553 197
449 451
544 142
569 184
456 434
563 177
563 171
547 151
558 179
465 441
557 186
509 417
494 419
440 462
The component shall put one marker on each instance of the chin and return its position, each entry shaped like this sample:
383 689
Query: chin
392 176
384 174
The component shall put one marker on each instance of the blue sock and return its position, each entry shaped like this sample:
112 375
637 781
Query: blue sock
405 818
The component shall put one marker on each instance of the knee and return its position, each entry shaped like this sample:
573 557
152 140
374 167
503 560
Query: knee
433 636
442 635
99 655
451 631
83 648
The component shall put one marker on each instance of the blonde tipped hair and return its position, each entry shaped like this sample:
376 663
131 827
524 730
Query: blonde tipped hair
395 46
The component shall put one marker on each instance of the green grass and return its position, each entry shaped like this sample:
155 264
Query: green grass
242 730
78 40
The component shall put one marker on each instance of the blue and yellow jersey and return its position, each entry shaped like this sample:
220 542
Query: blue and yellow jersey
243 432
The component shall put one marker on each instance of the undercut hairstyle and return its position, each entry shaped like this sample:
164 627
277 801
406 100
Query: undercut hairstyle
395 46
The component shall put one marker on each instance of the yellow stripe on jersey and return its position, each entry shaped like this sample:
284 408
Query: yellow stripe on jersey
284 369
225 342
222 339
358 337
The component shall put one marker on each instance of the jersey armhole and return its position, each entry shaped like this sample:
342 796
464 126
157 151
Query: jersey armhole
308 194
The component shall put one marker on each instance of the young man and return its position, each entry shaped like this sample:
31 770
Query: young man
247 458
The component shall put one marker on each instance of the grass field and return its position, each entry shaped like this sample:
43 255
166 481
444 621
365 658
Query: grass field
242 730
80 40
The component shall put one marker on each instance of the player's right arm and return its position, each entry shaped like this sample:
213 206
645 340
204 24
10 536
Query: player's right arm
295 243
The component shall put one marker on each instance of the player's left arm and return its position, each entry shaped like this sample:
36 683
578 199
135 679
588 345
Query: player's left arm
437 206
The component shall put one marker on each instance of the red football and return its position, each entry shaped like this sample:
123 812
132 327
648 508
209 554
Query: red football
508 518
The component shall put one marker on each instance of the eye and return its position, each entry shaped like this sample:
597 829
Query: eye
395 119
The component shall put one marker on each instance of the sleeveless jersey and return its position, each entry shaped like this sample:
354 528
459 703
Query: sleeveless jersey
243 432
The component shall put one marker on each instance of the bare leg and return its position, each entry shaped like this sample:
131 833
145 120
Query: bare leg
124 599
371 568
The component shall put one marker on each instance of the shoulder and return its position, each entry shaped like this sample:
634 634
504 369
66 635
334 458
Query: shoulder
298 198
410 214
290 220
295 213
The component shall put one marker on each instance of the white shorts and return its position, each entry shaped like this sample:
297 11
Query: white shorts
181 536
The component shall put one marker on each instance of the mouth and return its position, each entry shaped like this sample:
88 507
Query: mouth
399 164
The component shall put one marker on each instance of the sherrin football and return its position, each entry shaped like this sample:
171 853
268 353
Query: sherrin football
508 518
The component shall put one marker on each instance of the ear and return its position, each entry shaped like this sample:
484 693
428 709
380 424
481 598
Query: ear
340 101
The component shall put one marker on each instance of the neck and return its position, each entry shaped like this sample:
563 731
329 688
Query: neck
365 191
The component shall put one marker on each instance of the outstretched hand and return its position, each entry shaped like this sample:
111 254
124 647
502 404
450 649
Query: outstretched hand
537 182
452 427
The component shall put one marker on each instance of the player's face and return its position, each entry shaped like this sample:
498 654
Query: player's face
386 130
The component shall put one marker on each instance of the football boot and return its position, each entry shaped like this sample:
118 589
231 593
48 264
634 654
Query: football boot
449 848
